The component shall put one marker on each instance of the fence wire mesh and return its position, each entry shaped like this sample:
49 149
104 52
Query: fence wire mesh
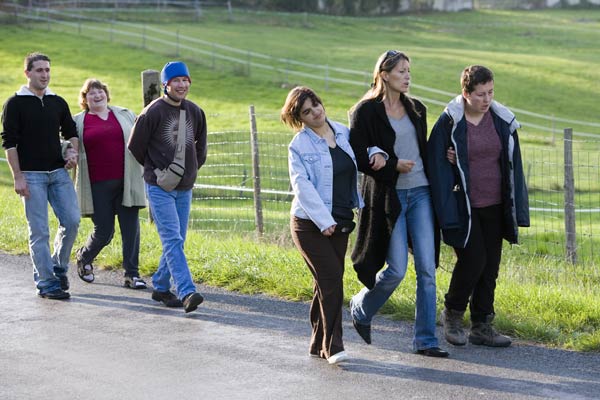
224 194
224 190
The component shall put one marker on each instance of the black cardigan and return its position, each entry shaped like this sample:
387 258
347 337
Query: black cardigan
369 126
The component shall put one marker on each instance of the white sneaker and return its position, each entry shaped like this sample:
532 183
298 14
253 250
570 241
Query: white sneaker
338 358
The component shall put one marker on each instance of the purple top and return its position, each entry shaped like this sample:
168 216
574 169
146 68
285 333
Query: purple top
484 163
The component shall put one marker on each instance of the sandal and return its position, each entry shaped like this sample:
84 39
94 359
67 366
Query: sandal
85 271
135 282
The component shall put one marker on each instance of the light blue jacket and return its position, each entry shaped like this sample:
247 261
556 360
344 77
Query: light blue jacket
311 175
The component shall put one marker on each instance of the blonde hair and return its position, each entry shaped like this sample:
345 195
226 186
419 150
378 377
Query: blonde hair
385 63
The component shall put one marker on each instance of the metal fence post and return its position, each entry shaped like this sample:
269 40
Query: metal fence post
570 232
258 214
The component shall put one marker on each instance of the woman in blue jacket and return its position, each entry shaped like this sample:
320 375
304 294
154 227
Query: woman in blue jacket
480 197
323 176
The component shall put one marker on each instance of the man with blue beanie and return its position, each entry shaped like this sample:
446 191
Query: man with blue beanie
153 142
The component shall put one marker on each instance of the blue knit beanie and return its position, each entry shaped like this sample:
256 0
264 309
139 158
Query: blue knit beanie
171 70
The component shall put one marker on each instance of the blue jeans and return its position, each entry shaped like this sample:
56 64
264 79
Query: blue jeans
416 219
171 211
54 187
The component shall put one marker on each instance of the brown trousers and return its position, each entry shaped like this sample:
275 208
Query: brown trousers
324 257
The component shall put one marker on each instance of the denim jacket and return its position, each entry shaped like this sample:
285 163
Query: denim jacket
311 175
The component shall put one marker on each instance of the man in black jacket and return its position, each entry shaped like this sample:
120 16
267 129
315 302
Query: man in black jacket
33 120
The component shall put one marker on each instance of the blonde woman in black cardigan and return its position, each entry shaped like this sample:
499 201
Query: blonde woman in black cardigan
398 208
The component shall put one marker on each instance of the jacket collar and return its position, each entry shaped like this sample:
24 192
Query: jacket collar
24 91
316 138
456 110
380 111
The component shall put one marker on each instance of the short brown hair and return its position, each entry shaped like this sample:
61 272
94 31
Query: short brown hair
290 112
89 84
33 57
475 75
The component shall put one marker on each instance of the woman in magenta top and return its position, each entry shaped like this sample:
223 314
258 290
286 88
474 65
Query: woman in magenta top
109 181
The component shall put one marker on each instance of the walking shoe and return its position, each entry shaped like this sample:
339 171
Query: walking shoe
84 270
57 294
338 358
483 333
192 301
453 327
433 352
363 330
168 298
64 282
134 282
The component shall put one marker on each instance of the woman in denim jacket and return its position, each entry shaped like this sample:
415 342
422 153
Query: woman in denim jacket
323 175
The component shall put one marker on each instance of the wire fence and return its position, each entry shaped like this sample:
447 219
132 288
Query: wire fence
225 193
245 62
224 198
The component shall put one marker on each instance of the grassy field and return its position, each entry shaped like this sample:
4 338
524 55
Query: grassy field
538 299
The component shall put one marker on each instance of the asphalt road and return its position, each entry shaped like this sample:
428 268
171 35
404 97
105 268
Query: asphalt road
109 342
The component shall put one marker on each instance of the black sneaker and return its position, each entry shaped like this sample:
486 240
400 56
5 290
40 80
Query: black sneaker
64 282
168 298
192 301
85 271
364 331
57 294
134 282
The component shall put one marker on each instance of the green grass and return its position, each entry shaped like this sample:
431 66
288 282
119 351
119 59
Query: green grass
544 62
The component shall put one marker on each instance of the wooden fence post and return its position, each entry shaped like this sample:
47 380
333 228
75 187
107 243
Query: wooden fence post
570 232
150 91
258 214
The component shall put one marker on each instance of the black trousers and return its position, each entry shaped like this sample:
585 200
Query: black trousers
324 257
107 197
474 277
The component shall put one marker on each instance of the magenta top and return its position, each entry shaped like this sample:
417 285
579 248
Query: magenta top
104 147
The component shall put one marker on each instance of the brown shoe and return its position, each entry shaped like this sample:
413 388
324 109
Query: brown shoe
452 321
484 334
168 298
192 301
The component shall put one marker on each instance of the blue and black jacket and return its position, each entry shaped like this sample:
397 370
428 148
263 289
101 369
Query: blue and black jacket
450 184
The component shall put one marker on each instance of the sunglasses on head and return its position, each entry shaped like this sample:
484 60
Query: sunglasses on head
389 55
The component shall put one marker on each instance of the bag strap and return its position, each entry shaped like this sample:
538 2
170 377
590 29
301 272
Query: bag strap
181 133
